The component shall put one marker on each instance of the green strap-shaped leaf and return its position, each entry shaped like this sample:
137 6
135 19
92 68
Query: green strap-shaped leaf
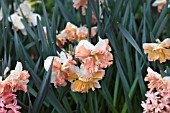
50 96
129 37
42 91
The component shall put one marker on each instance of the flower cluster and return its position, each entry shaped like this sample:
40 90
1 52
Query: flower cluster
17 80
25 10
158 51
158 97
74 33
92 60
160 4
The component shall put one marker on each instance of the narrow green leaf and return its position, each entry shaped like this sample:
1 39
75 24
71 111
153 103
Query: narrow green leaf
160 19
131 40
50 96
68 17
42 91
51 41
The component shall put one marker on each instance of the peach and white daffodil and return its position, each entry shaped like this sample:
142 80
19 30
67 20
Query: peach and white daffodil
154 78
94 57
158 51
74 33
160 4
70 30
60 68
82 33
82 80
18 78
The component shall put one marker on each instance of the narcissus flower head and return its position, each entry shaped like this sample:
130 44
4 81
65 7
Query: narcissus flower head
18 78
94 57
157 51
60 68
82 80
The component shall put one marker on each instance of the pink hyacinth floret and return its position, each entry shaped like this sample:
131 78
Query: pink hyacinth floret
16 80
158 97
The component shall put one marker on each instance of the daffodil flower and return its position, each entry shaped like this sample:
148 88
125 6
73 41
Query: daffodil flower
70 30
158 51
18 78
82 80
60 68
94 57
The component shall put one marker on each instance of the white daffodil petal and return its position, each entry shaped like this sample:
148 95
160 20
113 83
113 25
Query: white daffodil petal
1 14
166 41
157 2
33 18
149 70
94 28
83 73
97 85
166 78
0 78
16 20
24 8
18 67
53 77
74 69
100 45
47 62
12 76
87 44
82 29
63 57
145 45
24 32
73 26
76 1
